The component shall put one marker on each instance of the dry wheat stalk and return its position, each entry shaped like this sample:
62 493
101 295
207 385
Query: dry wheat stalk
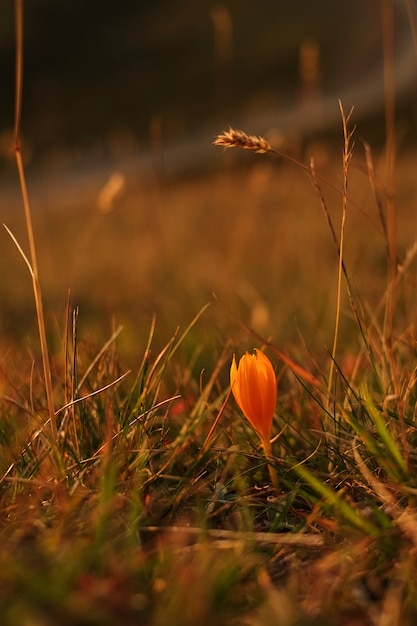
238 139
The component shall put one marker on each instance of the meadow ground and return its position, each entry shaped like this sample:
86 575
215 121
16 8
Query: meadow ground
153 503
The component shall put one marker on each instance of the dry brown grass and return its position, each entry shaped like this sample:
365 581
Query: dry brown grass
253 234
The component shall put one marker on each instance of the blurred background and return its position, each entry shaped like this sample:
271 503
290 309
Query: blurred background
136 211
106 80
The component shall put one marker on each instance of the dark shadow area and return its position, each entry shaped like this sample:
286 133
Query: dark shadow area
110 80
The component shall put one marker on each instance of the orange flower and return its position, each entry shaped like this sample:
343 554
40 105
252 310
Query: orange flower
254 386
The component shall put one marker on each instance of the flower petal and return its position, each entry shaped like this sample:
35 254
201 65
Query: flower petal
254 386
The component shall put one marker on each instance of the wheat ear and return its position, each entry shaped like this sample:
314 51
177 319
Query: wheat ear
238 139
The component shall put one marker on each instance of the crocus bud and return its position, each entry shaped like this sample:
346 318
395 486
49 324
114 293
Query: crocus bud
254 386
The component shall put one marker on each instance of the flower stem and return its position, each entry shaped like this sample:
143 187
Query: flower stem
266 444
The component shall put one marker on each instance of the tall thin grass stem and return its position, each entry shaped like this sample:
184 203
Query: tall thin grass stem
347 154
28 217
387 17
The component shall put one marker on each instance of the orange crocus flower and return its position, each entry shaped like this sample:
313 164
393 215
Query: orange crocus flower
254 386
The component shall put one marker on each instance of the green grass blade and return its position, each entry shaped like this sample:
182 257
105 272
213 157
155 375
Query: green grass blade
382 427
335 501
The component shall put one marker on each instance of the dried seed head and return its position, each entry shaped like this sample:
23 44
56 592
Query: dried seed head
238 139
